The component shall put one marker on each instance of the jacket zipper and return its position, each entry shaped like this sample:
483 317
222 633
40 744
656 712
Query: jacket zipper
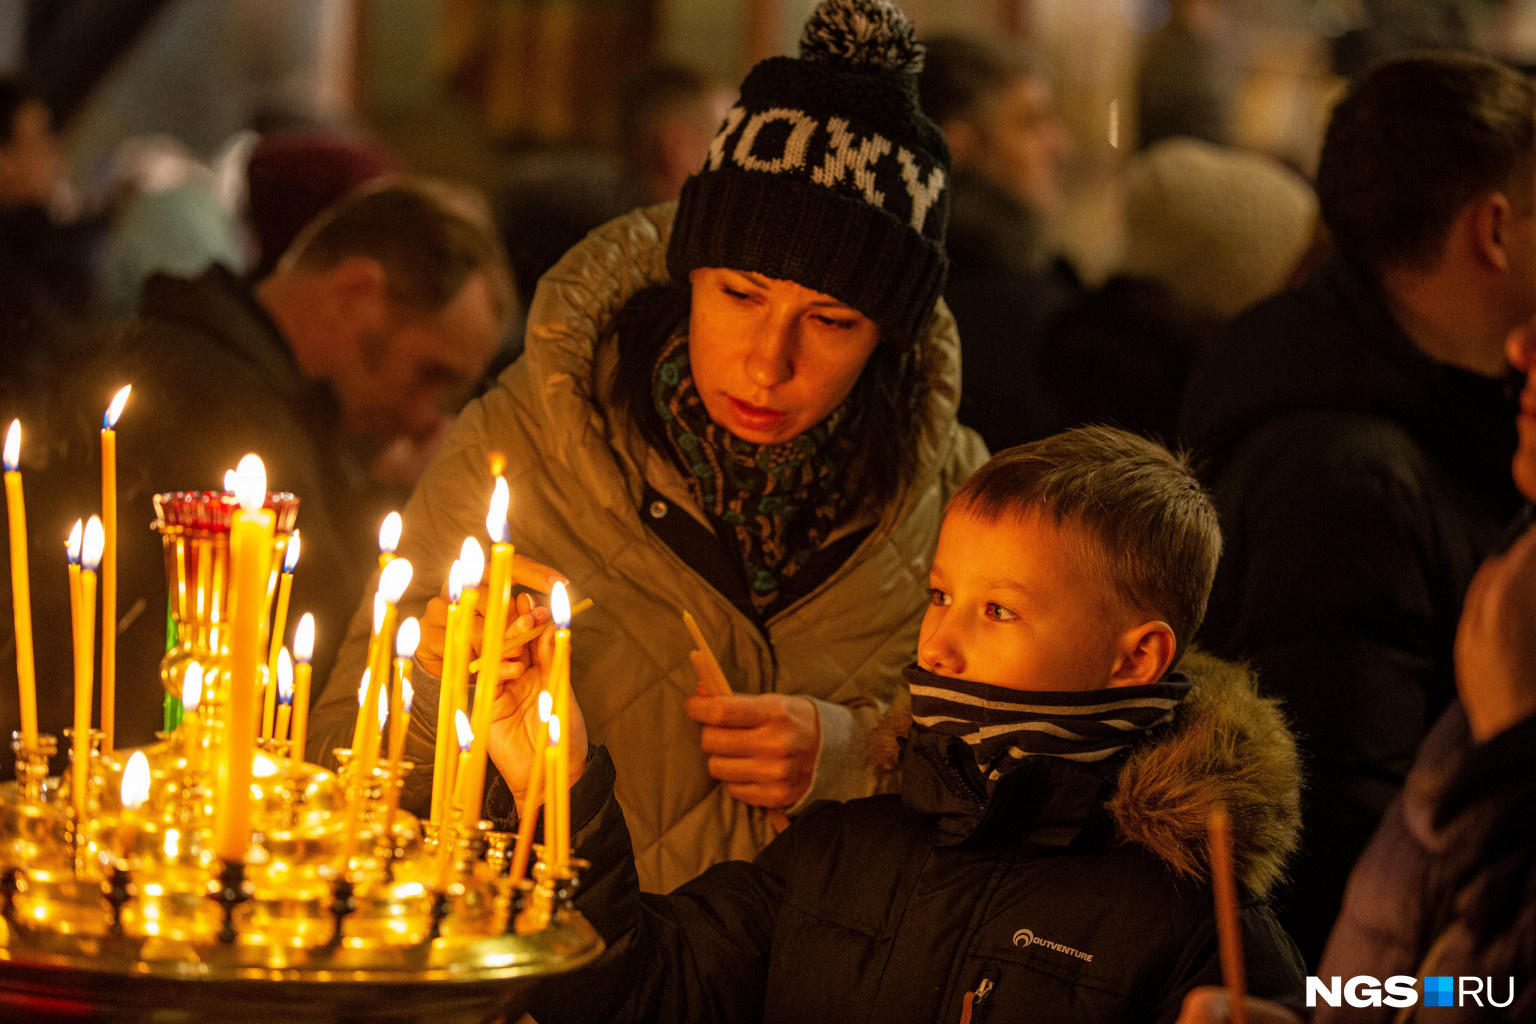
974 1006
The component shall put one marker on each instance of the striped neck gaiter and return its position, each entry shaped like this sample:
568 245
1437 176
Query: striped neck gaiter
1003 725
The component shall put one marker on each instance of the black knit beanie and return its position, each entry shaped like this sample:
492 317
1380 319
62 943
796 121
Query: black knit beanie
827 174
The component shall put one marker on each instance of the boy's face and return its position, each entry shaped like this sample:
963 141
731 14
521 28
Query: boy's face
1011 606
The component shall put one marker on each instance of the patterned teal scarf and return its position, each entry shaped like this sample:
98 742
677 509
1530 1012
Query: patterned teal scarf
779 501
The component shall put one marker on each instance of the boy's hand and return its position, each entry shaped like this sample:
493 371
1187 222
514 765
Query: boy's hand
517 734
1495 651
763 747
1211 1005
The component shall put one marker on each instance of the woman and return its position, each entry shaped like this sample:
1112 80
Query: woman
744 409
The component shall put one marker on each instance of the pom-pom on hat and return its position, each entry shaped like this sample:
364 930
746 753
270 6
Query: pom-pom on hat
827 173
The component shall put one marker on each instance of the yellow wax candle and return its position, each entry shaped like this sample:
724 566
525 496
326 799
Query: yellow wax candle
85 636
284 591
284 677
401 695
191 698
203 549
389 538
398 724
445 706
134 792
471 570
109 568
498 599
533 796
303 652
392 583
251 535
21 586
560 612
363 714
554 827
446 833
217 597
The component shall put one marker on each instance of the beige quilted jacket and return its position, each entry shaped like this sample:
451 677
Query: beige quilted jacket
576 480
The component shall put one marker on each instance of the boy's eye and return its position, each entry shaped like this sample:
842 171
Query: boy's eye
998 612
938 598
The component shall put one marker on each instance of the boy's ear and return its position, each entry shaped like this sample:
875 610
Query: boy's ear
1145 653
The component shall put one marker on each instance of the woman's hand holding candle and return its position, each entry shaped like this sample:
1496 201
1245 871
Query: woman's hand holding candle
762 746
519 737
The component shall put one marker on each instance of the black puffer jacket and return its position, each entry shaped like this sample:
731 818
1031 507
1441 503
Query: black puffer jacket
1076 893
1360 484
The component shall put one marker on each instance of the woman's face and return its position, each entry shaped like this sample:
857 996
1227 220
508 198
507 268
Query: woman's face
771 358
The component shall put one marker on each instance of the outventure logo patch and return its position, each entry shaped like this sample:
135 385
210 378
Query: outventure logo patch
1402 990
1024 938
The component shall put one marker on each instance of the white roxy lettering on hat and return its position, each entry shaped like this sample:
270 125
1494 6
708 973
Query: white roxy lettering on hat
843 159
922 195
793 156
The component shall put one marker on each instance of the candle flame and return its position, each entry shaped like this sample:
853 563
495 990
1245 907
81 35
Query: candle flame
192 688
554 729
380 606
472 560
362 688
455 582
407 696
389 533
229 481
109 421
72 546
172 843
291 557
284 676
393 580
496 519
13 446
95 541
461 726
407 637
546 705
136 781
304 639
560 606
383 712
251 483
263 767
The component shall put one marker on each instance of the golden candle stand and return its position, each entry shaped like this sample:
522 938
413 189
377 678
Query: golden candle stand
132 918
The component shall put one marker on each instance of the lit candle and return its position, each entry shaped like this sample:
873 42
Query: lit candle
85 636
109 568
284 694
554 824
456 680
401 694
279 626
191 697
251 537
533 796
389 538
72 552
393 580
21 586
379 605
489 680
134 793
303 652
441 755
445 832
560 686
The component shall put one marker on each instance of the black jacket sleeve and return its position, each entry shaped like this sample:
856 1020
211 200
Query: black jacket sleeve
700 953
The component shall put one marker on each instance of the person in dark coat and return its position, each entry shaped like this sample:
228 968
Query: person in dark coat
1045 858
384 309
1357 433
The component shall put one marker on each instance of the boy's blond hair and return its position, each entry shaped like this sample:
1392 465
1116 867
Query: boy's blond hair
1148 530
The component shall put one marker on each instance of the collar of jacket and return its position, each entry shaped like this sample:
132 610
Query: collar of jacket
1226 743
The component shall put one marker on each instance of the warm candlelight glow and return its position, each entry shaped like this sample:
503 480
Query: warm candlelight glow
380 609
109 421
407 696
554 730
72 546
393 580
304 639
389 533
407 637
496 519
291 558
471 562
229 481
250 487
135 781
546 705
95 540
362 689
192 688
455 582
383 713
461 727
560 606
13 446
284 677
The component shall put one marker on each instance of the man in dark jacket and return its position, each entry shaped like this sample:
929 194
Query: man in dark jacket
383 311
1045 859
1358 437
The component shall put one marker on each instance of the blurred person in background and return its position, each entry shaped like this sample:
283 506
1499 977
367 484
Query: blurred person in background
668 113
1187 78
1359 435
1006 284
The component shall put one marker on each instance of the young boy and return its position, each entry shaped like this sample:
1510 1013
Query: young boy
1045 859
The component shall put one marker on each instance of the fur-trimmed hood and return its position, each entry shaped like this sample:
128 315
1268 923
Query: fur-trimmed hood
1226 744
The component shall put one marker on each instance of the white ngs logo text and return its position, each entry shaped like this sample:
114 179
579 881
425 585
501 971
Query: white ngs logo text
1401 990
